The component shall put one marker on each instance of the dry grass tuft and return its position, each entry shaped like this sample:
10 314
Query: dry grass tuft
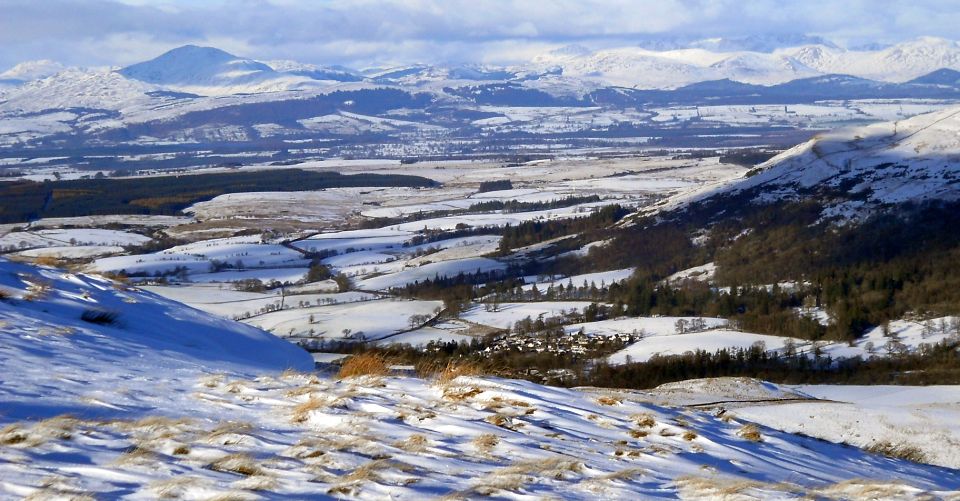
444 374
644 420
626 474
14 434
136 456
414 443
486 442
257 482
554 468
174 488
609 400
367 471
213 380
460 393
301 412
501 421
364 364
228 433
638 433
750 432
897 451
689 435
241 464
38 290
55 428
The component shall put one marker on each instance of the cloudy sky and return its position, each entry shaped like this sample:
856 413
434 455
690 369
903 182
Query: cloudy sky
363 33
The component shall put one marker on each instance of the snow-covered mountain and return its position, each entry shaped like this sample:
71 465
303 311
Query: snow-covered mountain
211 71
29 70
313 71
647 68
860 169
898 63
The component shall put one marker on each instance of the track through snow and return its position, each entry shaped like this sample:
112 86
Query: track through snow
170 402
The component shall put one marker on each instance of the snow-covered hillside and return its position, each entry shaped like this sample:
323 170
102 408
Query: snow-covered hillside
164 401
29 70
211 71
911 160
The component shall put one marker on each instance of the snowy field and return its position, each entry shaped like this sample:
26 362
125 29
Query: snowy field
363 320
86 237
508 314
922 418
709 341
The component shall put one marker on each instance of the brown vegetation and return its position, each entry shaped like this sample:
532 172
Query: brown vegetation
364 364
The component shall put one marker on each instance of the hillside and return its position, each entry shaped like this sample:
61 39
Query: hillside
861 169
211 71
163 401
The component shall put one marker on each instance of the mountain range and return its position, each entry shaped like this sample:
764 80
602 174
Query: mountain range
204 94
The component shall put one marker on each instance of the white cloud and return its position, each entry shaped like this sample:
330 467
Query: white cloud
368 32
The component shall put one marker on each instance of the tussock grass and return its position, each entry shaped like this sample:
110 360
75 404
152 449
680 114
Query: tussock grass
414 443
240 464
750 432
644 420
306 377
300 391
364 364
256 482
53 494
228 433
501 421
213 380
57 331
175 488
625 474
460 393
301 412
444 373
48 261
638 433
25 435
553 468
609 400
59 488
717 488
897 451
15 434
486 442
38 290
689 435
136 456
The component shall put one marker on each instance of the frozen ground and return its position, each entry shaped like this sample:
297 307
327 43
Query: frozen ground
363 320
924 419
173 403
709 341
